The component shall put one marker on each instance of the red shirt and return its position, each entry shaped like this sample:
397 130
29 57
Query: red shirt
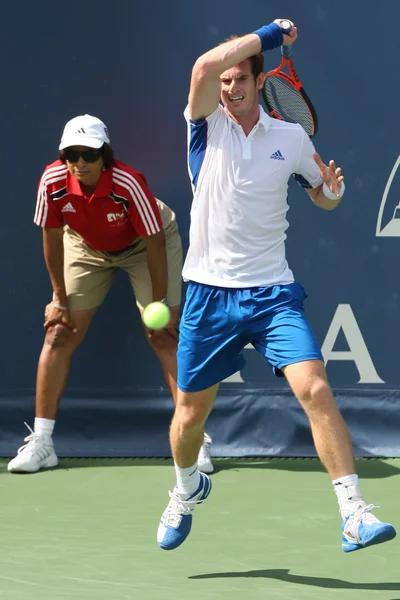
121 209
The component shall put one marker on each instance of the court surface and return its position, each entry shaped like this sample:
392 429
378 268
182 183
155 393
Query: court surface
270 530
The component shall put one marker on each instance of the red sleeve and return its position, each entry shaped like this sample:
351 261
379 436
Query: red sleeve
143 211
144 215
48 213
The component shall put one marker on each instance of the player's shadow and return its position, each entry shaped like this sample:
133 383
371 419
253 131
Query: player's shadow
367 468
320 582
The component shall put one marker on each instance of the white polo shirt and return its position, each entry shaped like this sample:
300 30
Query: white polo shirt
238 215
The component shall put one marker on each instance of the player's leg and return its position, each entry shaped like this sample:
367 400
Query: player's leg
187 429
164 343
192 487
165 347
88 276
175 261
333 444
290 346
330 434
209 350
55 361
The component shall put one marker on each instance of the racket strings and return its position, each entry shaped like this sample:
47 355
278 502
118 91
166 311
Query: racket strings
287 103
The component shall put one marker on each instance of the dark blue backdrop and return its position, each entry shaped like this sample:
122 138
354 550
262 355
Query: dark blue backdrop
130 65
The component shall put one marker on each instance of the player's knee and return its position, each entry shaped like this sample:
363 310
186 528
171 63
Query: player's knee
59 337
190 418
316 394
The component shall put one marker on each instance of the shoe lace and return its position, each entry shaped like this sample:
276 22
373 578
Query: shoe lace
361 515
33 441
178 507
364 514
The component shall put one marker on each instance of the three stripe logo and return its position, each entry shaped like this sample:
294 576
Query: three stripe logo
277 155
68 208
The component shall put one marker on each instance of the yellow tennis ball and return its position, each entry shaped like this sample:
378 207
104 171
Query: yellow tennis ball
156 315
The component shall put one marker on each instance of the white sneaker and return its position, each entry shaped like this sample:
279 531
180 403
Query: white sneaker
176 520
362 528
37 453
204 459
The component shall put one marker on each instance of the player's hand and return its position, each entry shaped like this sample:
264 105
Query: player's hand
290 37
331 175
54 316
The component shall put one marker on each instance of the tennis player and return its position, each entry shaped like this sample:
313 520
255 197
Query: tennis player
241 289
98 215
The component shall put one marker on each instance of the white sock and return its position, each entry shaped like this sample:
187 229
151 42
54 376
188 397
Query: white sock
348 493
44 426
188 480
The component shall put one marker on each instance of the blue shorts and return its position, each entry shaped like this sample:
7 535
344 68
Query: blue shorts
217 323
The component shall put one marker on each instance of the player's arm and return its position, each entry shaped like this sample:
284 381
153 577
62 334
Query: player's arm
205 83
323 183
48 216
146 221
157 264
329 194
53 250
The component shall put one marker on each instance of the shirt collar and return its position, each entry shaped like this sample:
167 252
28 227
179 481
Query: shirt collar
103 188
263 121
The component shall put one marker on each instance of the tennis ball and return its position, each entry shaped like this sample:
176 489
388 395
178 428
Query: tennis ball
156 315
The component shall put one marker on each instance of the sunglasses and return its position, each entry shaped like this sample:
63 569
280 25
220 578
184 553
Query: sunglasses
89 156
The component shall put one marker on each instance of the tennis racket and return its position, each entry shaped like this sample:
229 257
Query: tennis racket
284 95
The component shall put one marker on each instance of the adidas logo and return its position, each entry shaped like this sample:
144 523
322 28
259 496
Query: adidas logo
68 208
277 155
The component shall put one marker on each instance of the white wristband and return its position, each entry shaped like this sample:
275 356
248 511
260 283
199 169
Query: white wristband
60 307
327 192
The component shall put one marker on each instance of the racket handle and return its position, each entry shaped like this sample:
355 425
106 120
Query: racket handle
286 28
286 51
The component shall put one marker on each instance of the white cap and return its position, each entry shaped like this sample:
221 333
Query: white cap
84 130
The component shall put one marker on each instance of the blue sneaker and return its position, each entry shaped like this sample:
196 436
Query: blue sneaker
362 529
176 520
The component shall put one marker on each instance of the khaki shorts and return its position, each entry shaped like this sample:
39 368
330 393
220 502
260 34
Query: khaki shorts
89 273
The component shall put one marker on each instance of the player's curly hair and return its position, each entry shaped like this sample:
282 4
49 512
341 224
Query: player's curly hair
256 61
107 154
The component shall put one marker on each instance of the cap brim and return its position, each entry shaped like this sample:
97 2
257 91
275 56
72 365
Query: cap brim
81 140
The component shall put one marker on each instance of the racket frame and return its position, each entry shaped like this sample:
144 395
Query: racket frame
294 81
